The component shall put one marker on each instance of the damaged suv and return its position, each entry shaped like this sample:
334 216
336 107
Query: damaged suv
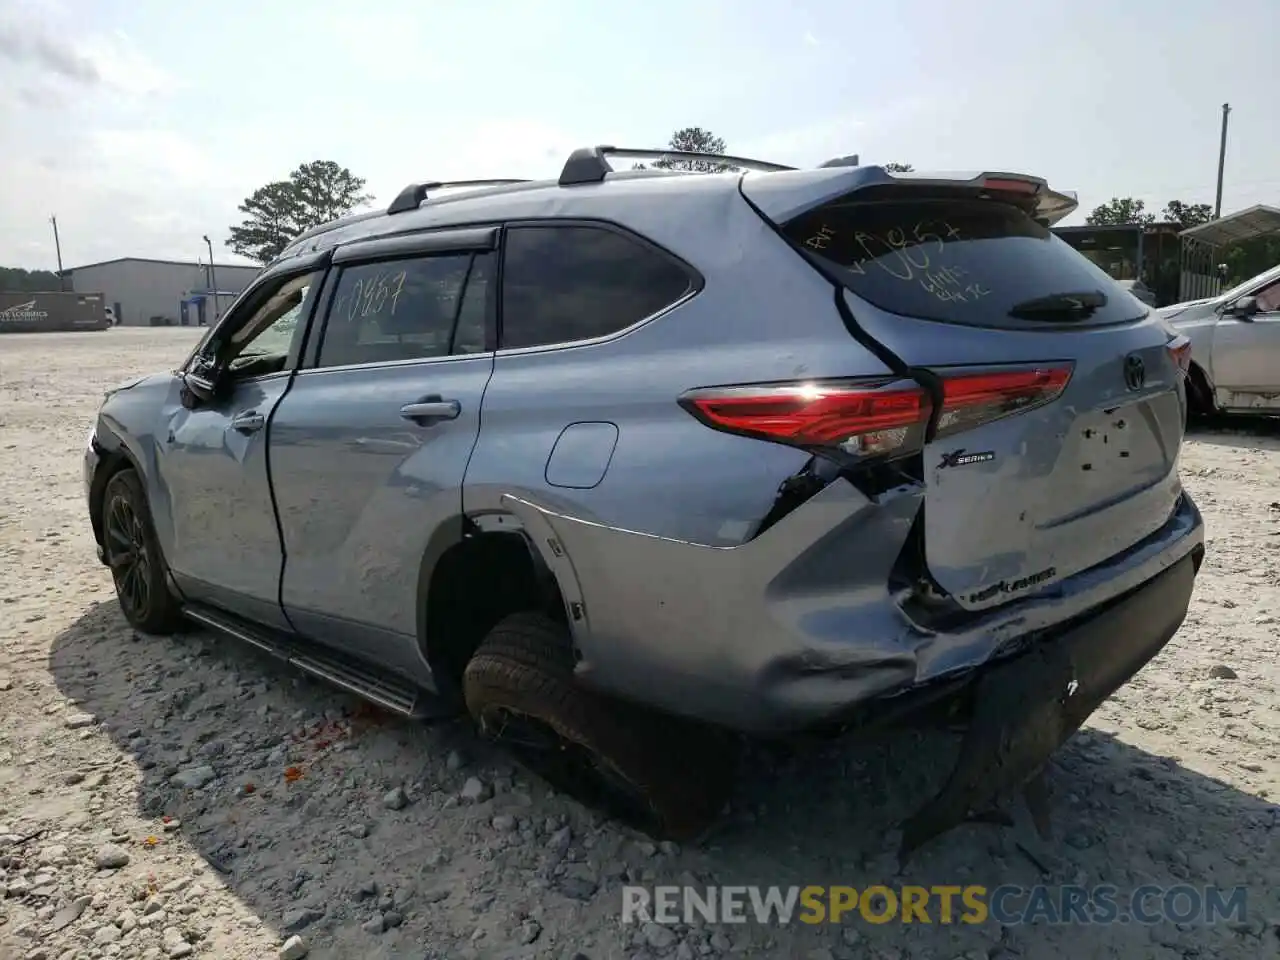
627 464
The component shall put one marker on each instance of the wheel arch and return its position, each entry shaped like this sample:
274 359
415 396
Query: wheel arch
481 567
1199 389
113 461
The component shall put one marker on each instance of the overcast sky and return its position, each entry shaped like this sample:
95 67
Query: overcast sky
142 123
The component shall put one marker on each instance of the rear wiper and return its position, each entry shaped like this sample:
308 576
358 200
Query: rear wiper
1060 306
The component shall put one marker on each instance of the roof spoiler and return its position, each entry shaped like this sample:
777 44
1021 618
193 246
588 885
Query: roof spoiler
788 195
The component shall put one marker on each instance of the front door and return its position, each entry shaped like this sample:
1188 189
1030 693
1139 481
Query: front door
370 445
212 459
1246 355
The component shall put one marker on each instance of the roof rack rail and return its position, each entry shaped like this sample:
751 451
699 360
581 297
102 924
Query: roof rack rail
411 197
590 164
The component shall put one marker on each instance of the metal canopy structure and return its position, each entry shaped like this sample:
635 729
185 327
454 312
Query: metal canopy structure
1259 220
1202 276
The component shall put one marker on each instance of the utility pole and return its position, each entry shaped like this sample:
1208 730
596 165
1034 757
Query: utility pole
213 278
57 245
1222 160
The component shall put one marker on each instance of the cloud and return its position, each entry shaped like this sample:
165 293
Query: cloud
40 97
52 52
810 39
494 147
116 192
123 67
27 44
147 156
857 132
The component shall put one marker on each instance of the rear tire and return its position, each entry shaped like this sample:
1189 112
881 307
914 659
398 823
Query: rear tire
664 775
133 554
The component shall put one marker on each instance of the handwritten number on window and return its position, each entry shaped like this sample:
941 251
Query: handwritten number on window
904 254
371 295
820 240
868 241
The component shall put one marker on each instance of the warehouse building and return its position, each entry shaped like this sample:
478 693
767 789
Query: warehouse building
162 292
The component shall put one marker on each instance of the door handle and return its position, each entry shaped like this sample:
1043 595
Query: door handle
250 422
429 409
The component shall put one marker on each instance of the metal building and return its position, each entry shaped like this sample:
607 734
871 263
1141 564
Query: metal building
161 292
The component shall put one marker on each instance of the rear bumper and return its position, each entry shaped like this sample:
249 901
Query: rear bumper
797 628
1026 707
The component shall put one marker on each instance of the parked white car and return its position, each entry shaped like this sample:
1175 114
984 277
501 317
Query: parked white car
1139 290
1235 347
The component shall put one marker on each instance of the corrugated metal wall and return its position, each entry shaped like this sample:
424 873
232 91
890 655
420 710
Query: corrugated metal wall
150 288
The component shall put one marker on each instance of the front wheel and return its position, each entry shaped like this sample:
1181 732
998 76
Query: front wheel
133 554
666 776
1199 395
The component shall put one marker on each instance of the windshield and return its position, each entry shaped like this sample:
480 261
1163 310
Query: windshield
976 262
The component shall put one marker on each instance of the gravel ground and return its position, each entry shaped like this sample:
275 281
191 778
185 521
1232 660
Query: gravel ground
188 797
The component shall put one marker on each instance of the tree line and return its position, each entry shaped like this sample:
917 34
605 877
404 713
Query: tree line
17 280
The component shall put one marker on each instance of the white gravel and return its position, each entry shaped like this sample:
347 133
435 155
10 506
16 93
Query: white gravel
188 797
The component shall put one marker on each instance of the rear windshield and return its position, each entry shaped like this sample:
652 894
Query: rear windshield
976 262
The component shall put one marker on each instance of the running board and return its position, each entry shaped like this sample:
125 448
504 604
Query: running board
377 686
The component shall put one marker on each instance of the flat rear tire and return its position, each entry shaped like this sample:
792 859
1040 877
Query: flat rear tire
664 775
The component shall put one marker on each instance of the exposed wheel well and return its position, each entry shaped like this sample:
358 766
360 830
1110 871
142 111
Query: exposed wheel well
1199 393
112 463
477 583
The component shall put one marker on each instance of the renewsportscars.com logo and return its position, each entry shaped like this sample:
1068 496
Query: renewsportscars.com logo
22 311
1007 905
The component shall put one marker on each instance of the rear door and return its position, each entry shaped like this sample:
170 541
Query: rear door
369 447
1061 405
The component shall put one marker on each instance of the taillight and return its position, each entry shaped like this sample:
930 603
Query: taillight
1010 184
867 417
1180 352
971 399
1007 185
872 418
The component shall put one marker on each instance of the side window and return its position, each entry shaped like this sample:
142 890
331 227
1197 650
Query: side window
566 283
1269 298
406 310
469 334
262 343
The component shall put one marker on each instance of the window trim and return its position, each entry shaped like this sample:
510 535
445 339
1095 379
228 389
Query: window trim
697 282
402 246
311 360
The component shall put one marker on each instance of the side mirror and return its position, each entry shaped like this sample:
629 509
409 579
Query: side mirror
196 389
1243 308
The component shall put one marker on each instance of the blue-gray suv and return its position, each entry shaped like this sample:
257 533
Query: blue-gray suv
629 464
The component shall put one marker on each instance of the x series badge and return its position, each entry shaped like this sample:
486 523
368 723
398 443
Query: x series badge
958 458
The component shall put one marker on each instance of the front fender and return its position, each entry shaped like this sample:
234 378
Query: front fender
1200 333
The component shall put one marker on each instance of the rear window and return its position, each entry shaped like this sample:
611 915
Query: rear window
958 261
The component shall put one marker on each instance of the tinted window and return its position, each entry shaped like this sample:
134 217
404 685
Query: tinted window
964 261
404 310
572 283
469 334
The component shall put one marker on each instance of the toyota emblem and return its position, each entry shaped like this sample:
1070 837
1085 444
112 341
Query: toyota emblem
1135 372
